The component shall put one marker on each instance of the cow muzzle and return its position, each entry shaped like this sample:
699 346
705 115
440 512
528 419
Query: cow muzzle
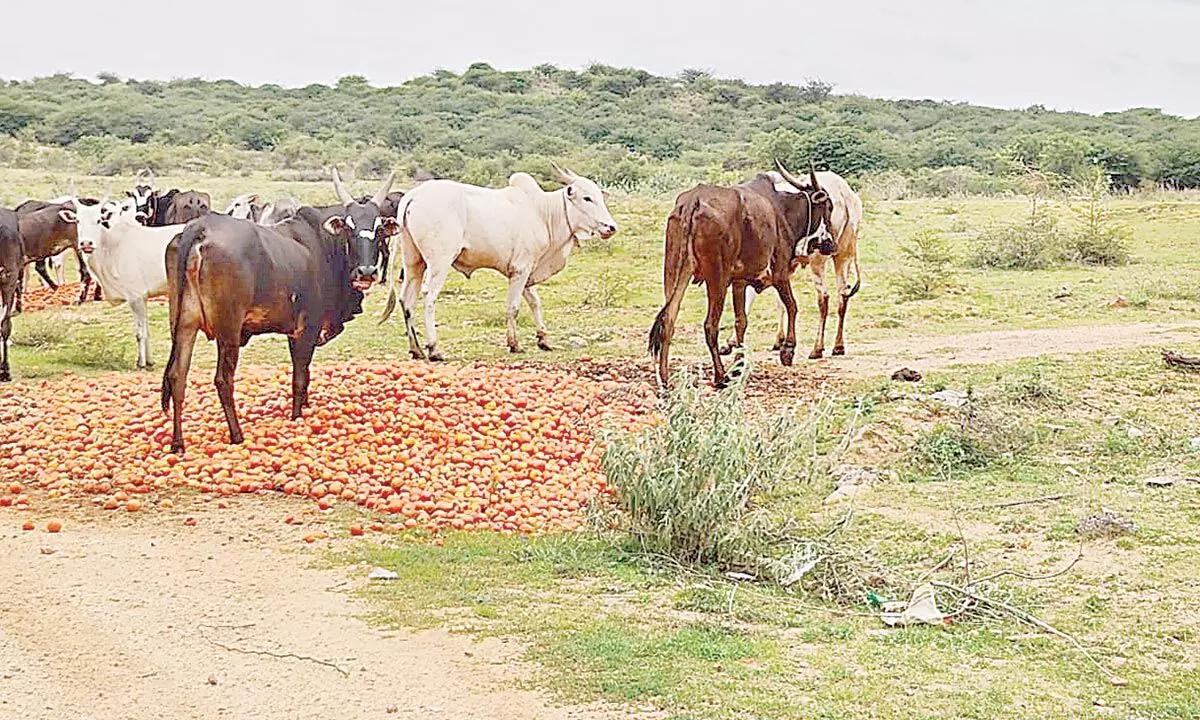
86 248
363 277
607 231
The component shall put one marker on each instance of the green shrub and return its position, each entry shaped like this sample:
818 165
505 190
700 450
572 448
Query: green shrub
928 261
949 450
1030 244
687 487
1098 239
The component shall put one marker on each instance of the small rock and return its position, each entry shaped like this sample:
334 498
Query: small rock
1160 481
392 710
1119 302
577 342
212 679
1194 443
1099 702
1063 292
1134 433
950 398
1106 523
906 375
48 551
382 574
740 577
1116 681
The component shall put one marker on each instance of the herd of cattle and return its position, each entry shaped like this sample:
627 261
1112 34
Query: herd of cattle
302 271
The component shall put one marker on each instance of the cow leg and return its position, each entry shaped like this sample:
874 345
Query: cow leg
40 266
435 278
60 267
408 305
16 307
739 339
787 348
516 288
6 302
817 265
840 267
183 339
141 323
227 360
302 354
539 319
385 254
712 327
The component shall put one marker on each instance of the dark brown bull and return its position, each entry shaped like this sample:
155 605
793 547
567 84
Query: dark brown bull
11 266
45 234
233 279
743 236
184 207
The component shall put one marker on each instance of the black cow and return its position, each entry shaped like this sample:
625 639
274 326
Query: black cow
233 279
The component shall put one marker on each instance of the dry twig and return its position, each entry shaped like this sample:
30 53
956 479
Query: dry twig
1029 501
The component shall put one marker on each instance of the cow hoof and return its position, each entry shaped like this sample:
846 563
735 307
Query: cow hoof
777 346
839 350
515 349
436 356
236 439
543 345
416 354
727 350
5 378
176 448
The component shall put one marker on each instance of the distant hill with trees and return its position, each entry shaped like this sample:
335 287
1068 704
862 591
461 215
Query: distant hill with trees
628 128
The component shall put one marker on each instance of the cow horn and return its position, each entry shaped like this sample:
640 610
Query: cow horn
789 177
148 174
812 173
566 177
381 196
344 196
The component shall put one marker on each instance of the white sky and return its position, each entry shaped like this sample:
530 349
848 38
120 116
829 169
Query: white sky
1089 55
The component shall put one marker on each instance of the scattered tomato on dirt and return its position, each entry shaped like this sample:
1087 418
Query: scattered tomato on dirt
53 526
27 526
43 298
501 449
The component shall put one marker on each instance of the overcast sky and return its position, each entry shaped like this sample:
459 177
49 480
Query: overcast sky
1089 55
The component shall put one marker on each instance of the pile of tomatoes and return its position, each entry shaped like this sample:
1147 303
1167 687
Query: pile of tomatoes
502 449
33 300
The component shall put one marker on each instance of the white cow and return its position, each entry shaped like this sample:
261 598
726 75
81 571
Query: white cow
126 258
847 223
521 231
248 207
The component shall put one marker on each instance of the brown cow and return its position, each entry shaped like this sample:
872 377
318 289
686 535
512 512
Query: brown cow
233 279
45 234
740 236
11 263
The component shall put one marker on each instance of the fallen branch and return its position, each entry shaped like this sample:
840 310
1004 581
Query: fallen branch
1030 618
1026 576
1183 362
268 653
1017 503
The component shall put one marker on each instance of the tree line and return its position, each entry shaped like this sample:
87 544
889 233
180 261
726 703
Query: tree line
626 127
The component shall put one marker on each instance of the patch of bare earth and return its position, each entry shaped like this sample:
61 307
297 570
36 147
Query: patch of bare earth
124 616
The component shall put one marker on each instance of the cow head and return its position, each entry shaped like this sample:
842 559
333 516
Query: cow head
362 225
143 194
587 200
244 207
818 216
90 220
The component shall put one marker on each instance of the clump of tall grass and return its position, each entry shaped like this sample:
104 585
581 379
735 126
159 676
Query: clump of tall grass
1027 244
695 487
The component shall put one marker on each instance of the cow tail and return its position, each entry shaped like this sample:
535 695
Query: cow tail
191 236
857 278
678 265
396 261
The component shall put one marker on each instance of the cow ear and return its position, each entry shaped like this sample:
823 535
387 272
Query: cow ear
68 216
571 191
606 194
390 226
820 196
335 225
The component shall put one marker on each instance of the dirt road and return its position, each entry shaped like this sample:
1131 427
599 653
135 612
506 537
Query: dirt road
123 618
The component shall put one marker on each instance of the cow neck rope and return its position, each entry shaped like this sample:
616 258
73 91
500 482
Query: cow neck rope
566 216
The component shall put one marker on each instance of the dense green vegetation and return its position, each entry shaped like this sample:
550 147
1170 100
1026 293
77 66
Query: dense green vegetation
630 129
